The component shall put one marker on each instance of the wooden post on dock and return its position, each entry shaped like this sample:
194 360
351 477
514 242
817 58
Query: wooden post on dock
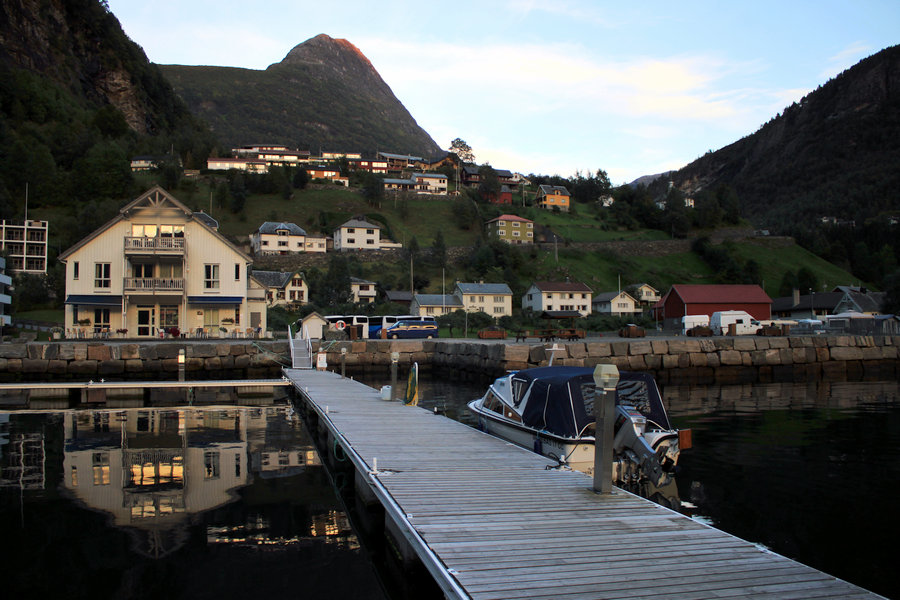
343 362
605 379
395 358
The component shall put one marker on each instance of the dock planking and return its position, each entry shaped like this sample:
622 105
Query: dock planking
491 520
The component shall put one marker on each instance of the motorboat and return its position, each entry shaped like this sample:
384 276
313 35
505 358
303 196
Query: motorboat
551 410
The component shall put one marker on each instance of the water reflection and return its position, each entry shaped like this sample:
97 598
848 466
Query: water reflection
181 493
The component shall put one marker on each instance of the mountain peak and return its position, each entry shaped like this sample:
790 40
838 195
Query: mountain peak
325 50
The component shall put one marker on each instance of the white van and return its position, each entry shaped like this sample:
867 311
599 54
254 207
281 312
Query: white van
688 322
744 324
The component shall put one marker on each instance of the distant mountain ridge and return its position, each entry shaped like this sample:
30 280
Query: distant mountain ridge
325 94
835 153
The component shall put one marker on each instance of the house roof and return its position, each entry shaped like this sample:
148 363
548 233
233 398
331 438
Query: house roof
636 286
489 289
554 189
511 218
360 223
358 280
562 286
437 300
155 196
272 279
717 294
399 296
825 301
208 220
429 175
607 296
274 227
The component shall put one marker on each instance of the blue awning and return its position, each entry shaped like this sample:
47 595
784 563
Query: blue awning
215 299
94 300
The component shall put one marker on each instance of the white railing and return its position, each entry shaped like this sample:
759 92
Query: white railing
154 243
154 284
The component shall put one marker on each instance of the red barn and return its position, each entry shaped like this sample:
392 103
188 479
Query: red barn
684 300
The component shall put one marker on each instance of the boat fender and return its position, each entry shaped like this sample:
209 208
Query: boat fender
538 446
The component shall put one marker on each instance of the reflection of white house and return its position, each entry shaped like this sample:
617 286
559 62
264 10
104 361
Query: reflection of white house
282 288
278 238
615 303
494 299
362 290
157 266
5 300
558 295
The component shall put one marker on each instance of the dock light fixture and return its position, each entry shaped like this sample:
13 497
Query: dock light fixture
605 379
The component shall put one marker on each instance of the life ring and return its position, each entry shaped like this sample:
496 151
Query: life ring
340 325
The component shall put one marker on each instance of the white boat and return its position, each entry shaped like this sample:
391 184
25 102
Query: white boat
551 410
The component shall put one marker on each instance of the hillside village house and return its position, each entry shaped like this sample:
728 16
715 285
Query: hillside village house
558 295
25 245
362 290
359 234
615 303
251 165
434 304
278 238
282 288
420 183
494 299
370 165
644 293
512 229
553 196
402 162
156 267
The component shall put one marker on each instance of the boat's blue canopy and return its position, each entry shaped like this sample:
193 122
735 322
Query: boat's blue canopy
560 400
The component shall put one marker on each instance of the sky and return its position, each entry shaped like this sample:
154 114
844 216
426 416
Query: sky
552 86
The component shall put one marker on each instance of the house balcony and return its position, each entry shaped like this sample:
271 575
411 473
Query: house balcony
154 245
154 284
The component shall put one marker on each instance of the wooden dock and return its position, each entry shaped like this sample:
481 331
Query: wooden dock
490 520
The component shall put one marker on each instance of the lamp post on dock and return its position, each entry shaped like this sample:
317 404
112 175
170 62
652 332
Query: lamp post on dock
605 379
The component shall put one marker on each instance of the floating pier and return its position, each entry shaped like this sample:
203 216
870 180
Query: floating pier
490 520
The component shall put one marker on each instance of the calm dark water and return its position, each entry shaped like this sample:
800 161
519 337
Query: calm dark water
810 471
173 503
235 503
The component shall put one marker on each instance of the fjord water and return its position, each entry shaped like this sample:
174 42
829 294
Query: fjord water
234 502
173 503
807 470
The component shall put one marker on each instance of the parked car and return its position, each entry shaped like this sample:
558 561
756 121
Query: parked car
412 329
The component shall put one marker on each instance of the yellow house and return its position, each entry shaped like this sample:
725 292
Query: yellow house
157 267
512 229
553 196
494 299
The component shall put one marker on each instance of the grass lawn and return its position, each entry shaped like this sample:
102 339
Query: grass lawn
54 315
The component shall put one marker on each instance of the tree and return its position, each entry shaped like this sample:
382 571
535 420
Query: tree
460 148
439 250
301 178
490 183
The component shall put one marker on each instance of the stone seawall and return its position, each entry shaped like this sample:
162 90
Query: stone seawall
81 361
702 360
707 360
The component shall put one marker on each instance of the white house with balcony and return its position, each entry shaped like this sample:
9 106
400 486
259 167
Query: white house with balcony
363 290
155 267
615 303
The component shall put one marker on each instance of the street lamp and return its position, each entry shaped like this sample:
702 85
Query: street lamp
605 379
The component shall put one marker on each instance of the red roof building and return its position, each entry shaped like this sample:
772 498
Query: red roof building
683 300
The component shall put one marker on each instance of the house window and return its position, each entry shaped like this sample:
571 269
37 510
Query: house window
498 310
498 298
351 230
265 242
282 243
211 462
515 234
101 317
237 271
75 270
370 242
515 224
351 240
370 231
168 316
211 277
101 275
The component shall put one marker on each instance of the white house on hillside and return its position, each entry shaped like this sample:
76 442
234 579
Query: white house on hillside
278 238
615 303
154 267
494 299
359 234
